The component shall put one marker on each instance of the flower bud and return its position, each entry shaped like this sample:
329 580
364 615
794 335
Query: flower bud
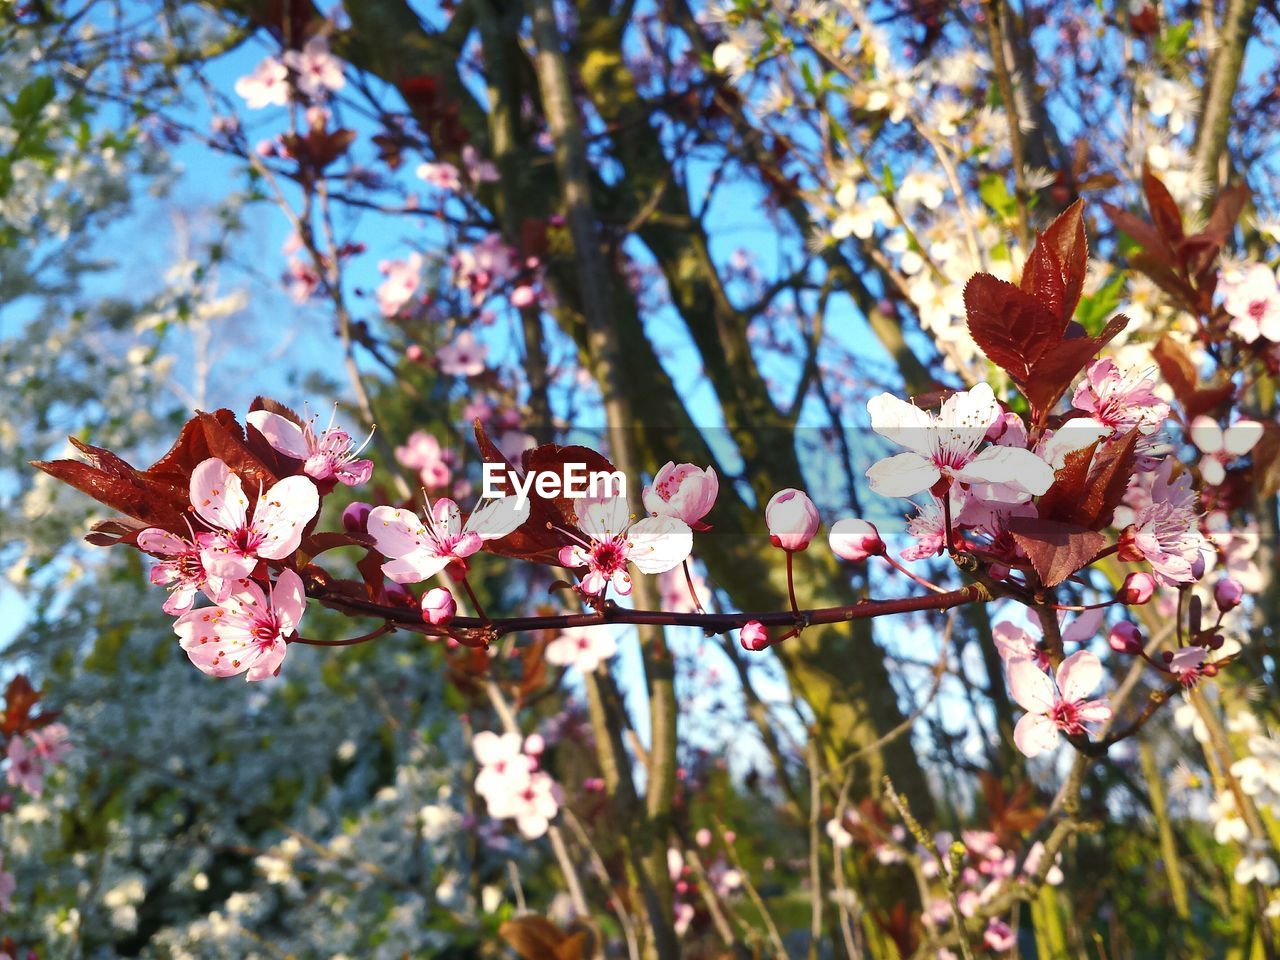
1125 637
703 837
753 636
414 353
438 606
683 491
355 518
854 539
1137 589
1227 594
792 519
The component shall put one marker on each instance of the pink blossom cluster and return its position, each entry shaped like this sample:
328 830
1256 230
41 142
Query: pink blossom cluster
511 783
30 756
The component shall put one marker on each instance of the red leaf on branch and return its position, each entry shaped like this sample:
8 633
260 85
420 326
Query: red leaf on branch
19 699
1164 209
1055 270
1059 502
115 483
1056 550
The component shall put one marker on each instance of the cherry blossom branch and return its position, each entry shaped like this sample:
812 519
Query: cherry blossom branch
608 612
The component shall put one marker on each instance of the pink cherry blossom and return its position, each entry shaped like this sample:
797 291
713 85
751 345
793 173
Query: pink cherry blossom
26 769
416 552
612 542
928 525
1220 447
532 804
443 175
683 491
246 633
422 452
675 591
504 764
1057 703
1252 298
183 570
319 71
239 541
945 447
401 283
1187 665
1120 400
302 280
584 648
1165 530
481 267
268 85
999 936
464 357
792 519
329 455
51 743
1015 643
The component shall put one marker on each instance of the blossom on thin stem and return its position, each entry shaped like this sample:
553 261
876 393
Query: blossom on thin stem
612 542
1057 703
247 632
945 447
239 541
416 552
329 455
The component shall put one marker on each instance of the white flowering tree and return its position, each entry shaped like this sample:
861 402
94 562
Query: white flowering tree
1006 272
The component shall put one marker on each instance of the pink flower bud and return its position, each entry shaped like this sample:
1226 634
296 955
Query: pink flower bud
754 636
703 837
1227 594
855 539
730 836
438 606
1125 637
683 491
355 518
414 353
792 519
1137 589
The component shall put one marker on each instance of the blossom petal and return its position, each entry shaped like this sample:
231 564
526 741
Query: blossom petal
1030 686
1035 734
217 495
1241 437
1206 434
281 514
395 533
1079 675
602 518
1011 465
903 423
415 566
498 517
161 542
288 599
283 435
659 543
903 475
1084 627
1095 711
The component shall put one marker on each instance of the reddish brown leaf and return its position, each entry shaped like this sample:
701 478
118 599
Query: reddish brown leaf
1056 550
113 482
1013 329
1055 270
1108 480
1053 373
1165 212
1226 211
19 699
1059 502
